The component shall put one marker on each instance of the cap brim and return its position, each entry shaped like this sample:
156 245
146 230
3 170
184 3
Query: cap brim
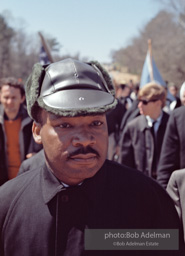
78 99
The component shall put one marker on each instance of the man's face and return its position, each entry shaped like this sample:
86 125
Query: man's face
173 90
75 147
150 108
11 99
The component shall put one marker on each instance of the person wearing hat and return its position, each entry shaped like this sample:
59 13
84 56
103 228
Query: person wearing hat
48 211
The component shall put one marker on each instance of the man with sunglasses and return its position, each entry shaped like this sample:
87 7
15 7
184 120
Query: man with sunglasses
142 138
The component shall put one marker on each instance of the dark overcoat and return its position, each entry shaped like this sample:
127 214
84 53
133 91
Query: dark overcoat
173 150
137 144
40 217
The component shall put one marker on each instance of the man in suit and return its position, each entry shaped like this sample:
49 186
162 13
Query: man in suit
173 149
176 189
48 211
143 136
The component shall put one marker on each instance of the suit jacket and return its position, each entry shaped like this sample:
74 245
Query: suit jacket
173 149
176 189
40 217
137 144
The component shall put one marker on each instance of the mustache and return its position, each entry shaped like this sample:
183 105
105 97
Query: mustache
84 151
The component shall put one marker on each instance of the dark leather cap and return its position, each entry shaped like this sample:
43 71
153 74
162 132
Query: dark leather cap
72 88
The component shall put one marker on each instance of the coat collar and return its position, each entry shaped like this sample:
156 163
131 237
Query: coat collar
144 123
51 186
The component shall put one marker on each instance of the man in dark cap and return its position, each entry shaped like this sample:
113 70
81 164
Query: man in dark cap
51 210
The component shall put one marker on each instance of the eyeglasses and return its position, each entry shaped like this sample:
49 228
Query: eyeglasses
145 102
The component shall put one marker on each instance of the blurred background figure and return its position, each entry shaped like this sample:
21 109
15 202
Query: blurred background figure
16 140
131 84
135 91
123 94
114 118
173 89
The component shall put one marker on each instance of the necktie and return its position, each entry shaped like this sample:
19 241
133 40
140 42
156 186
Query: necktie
154 163
153 129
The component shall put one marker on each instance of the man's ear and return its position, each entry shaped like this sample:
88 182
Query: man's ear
36 127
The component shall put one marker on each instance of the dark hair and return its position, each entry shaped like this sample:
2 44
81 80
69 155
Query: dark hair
13 82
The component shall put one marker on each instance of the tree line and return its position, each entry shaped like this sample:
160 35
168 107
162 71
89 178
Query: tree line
167 32
18 51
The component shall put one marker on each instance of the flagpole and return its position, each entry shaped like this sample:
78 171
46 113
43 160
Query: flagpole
150 53
46 48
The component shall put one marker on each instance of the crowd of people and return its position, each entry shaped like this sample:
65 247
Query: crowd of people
76 154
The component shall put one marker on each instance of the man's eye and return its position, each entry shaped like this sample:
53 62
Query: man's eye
65 125
97 123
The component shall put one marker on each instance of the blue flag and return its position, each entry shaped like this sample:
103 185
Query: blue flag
43 57
151 73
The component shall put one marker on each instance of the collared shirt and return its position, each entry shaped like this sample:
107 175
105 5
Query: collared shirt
67 186
150 122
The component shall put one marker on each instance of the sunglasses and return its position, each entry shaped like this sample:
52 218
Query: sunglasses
145 102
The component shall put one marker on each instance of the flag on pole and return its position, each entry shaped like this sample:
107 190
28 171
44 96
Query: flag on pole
151 73
45 53
43 57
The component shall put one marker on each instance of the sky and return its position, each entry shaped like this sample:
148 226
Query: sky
92 28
